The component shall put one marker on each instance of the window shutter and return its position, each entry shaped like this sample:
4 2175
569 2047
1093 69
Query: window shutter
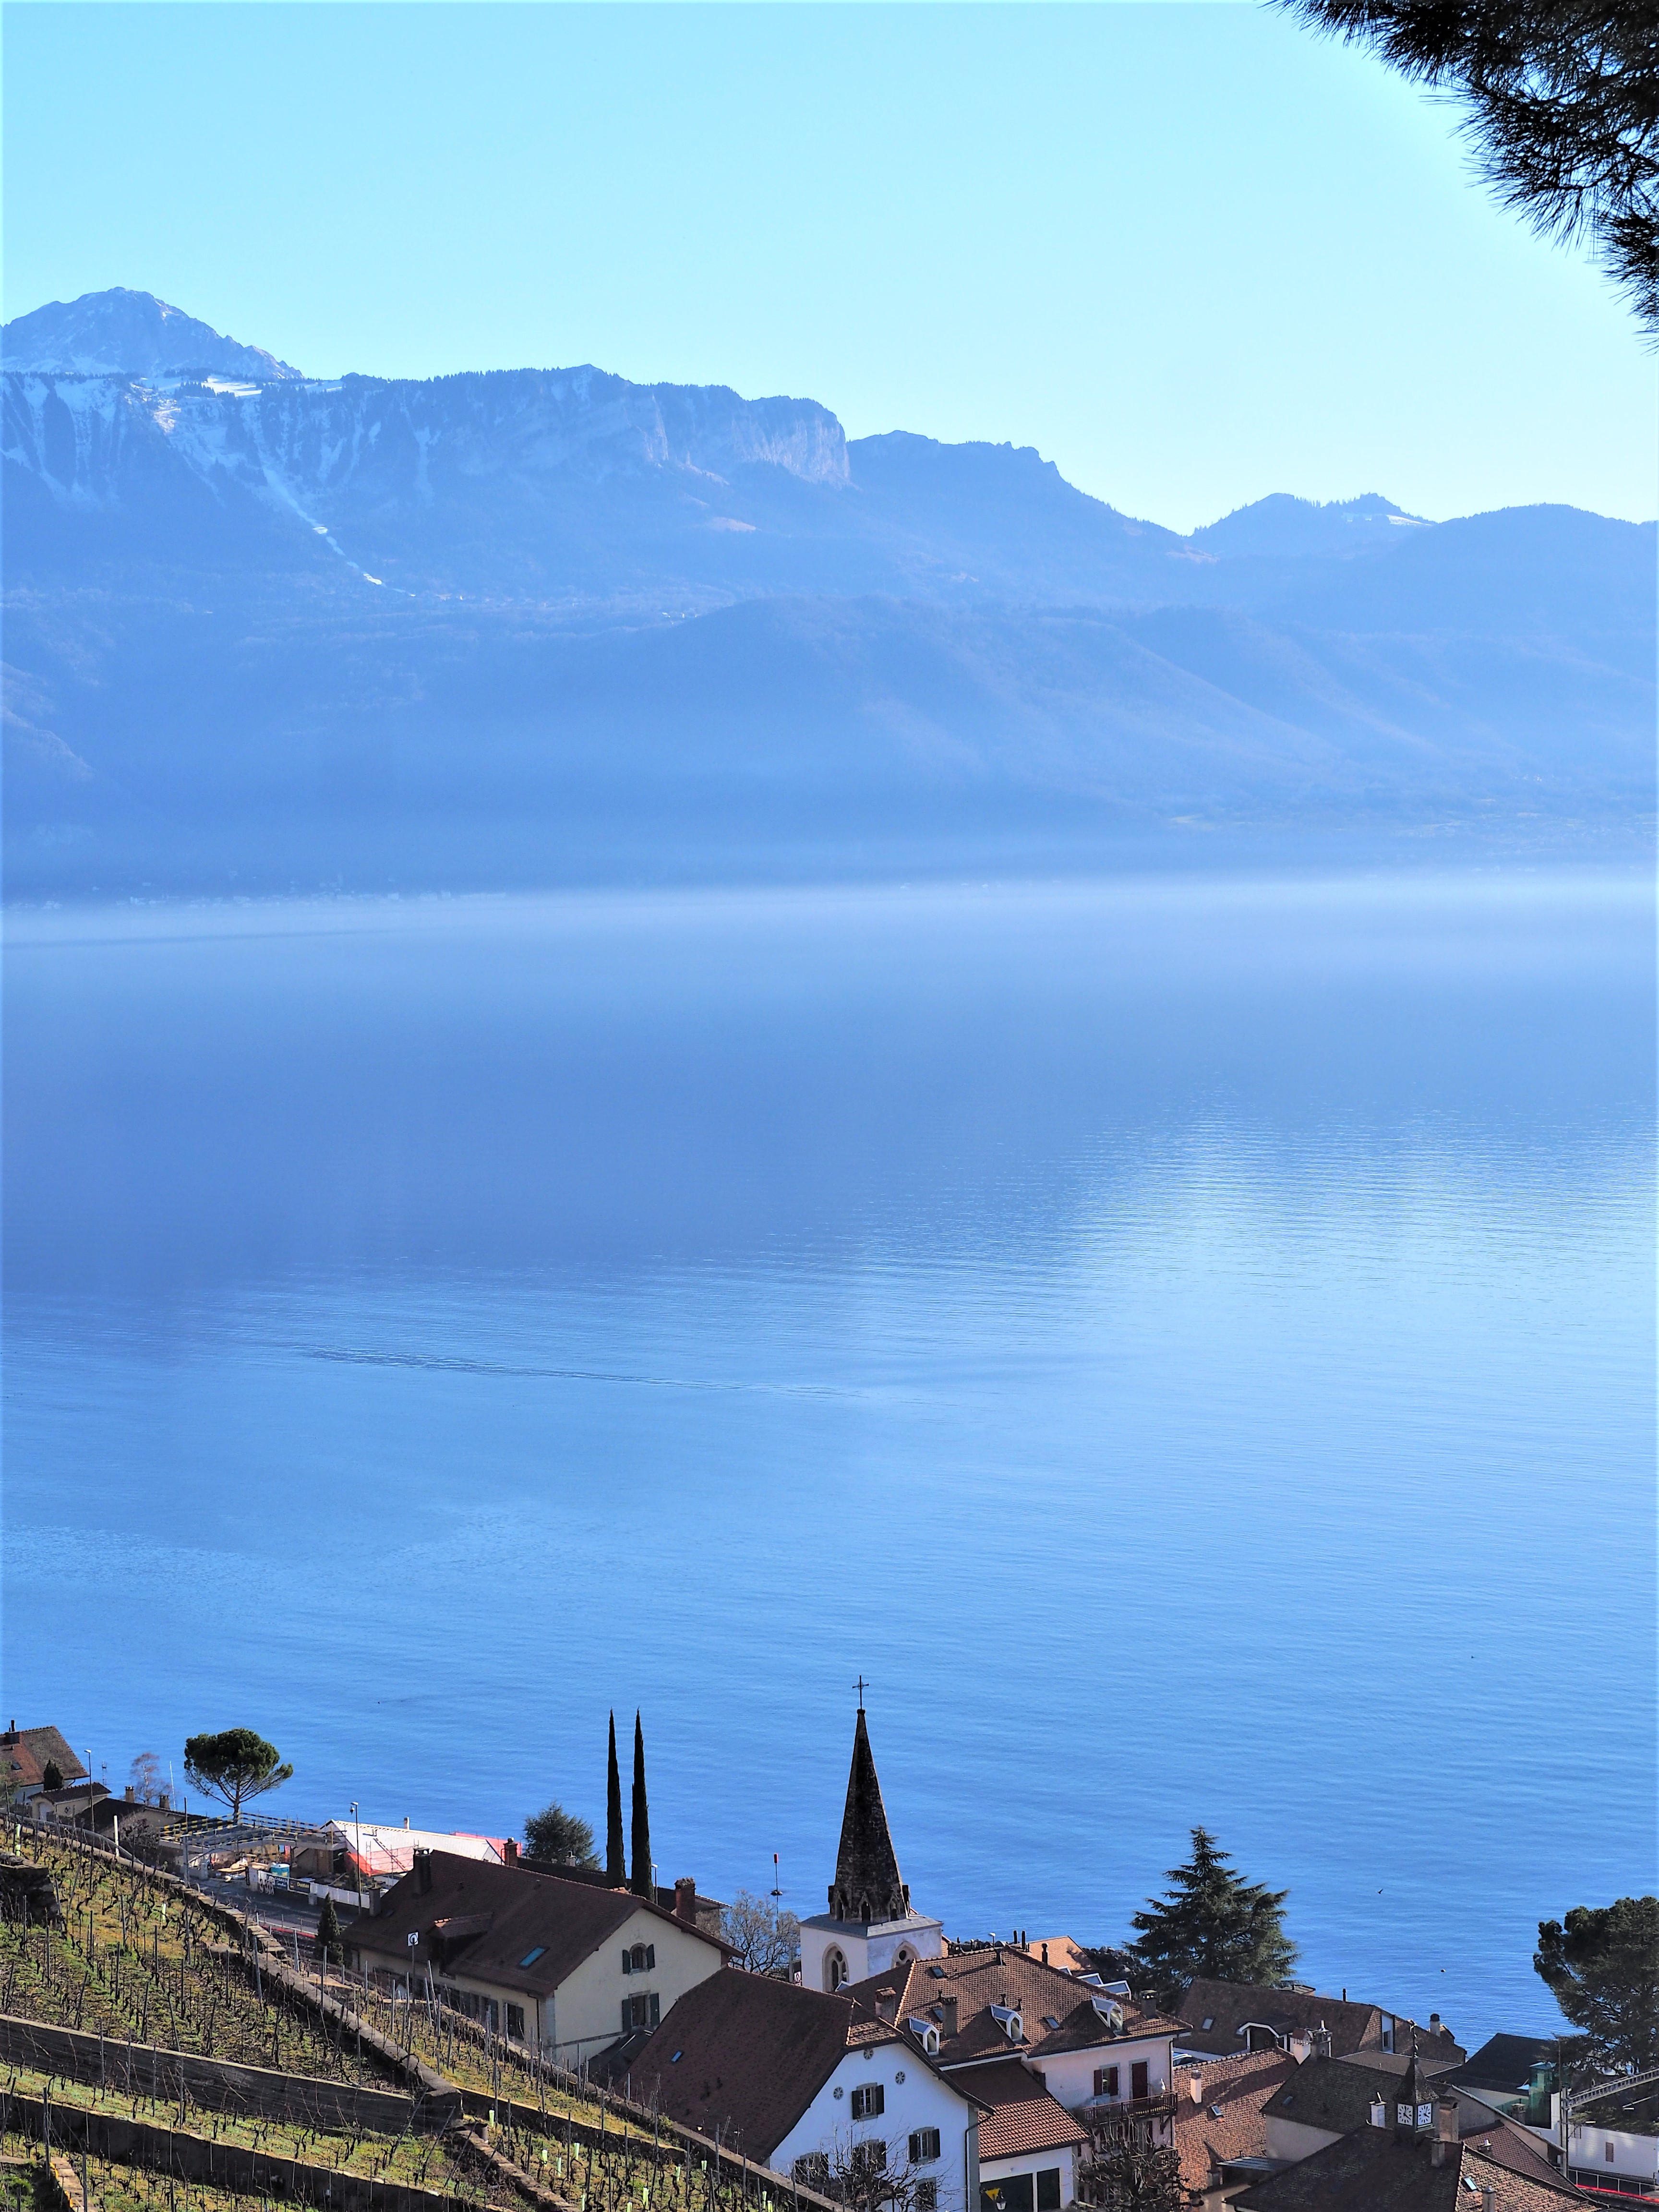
650 1955
626 2023
627 1965
656 2010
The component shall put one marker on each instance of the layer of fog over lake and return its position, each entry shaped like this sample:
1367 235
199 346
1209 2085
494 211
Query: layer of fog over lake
1189 1345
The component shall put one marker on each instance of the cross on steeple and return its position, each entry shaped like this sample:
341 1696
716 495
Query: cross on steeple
862 1686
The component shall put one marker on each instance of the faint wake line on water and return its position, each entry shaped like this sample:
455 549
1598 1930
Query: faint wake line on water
449 1364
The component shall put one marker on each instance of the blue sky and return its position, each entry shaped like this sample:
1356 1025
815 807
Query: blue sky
1190 252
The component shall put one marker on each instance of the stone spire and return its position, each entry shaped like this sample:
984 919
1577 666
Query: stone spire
866 1886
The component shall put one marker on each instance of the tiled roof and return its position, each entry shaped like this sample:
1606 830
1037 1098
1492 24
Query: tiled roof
1024 2117
1061 1951
26 1754
1337 2094
747 2054
1012 1979
1228 2118
1229 2007
1373 2170
500 1915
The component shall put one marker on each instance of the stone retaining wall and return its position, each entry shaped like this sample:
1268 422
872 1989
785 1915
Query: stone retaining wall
220 2166
141 2070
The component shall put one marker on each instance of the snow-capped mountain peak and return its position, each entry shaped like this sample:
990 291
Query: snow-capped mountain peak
125 334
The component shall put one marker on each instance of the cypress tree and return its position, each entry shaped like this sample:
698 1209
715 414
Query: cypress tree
641 1884
615 1864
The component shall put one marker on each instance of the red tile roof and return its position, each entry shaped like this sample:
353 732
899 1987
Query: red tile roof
27 1753
1229 2117
1024 2117
1010 1978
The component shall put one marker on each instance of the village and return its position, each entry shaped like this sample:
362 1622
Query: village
367 2010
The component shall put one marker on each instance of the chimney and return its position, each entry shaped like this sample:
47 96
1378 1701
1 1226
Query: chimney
947 2026
1488 2198
511 1851
1195 2088
685 1899
1434 2023
1444 2148
405 1819
164 1801
423 1872
128 1793
1321 2041
886 2004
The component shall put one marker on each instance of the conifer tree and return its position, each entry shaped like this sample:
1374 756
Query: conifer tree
641 1884
615 1863
1212 1926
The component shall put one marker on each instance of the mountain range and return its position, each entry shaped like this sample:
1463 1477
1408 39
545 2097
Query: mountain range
265 629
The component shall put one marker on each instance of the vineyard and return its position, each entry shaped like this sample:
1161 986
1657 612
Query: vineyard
134 1958
137 1960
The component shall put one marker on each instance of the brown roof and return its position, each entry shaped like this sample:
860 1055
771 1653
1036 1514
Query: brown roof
747 2054
1007 1977
28 1751
1061 1951
494 1916
1229 2007
1227 2120
1373 2170
1337 2094
1024 2117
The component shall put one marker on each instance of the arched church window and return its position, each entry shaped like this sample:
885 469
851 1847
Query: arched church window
834 1971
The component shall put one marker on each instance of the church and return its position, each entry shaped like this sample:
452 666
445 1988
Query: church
869 1927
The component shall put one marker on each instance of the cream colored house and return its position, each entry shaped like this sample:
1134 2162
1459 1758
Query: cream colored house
561 1966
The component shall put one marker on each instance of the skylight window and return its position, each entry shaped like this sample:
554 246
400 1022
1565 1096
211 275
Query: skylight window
531 1957
1048 2021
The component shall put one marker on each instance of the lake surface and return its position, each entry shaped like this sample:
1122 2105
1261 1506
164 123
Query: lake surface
1189 1345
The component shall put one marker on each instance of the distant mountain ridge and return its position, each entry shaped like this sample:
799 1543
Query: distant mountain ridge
272 628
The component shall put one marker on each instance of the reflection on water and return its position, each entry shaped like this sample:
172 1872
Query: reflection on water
1191 1346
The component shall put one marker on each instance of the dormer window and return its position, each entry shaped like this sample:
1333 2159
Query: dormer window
639 1959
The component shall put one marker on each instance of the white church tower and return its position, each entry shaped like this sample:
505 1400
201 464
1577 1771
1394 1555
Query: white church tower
870 1927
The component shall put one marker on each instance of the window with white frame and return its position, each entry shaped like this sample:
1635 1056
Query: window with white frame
924 2146
868 2102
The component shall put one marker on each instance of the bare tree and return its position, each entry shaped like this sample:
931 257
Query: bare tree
766 1938
1562 109
859 2172
1129 2172
146 1777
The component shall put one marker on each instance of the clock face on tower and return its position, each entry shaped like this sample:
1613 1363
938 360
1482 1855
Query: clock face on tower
1425 2114
1405 2115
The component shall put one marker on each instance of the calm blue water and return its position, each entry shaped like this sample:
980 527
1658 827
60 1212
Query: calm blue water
1191 1346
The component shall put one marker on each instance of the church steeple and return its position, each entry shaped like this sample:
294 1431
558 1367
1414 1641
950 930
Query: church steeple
866 1886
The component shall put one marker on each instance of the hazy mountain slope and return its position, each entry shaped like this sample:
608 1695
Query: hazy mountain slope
496 624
